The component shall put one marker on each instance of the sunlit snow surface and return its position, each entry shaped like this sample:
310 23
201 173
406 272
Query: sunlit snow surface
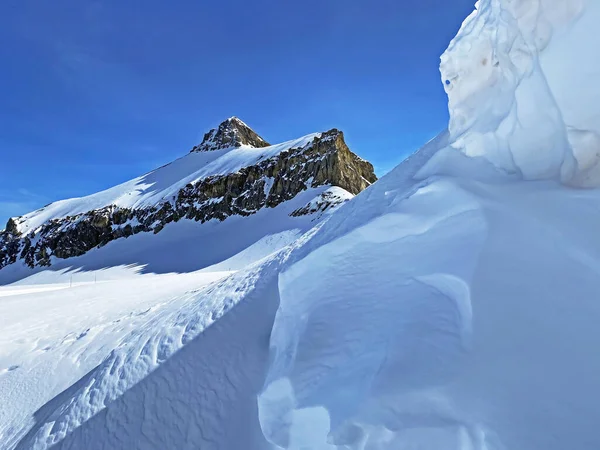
58 324
453 314
521 77
453 305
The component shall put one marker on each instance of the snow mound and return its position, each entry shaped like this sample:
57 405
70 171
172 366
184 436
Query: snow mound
452 305
448 322
518 77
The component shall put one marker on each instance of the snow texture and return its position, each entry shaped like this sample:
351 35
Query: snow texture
453 305
518 77
66 319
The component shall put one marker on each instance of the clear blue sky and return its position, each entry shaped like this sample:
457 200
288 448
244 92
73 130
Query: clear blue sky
93 93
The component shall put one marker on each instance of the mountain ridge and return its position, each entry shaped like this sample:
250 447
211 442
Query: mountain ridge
209 183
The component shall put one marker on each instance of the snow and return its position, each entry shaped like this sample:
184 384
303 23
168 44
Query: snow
464 316
326 203
66 320
196 246
433 320
261 249
160 394
20 290
66 332
518 79
163 183
453 305
269 181
335 193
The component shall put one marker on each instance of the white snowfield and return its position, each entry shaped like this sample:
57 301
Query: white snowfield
453 305
58 324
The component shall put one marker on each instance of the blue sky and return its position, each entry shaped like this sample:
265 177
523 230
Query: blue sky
94 93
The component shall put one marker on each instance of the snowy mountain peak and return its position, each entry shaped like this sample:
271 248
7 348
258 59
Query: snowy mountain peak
233 173
229 134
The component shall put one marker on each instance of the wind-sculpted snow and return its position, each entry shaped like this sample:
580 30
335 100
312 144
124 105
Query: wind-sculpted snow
457 314
149 394
461 318
453 305
374 310
518 76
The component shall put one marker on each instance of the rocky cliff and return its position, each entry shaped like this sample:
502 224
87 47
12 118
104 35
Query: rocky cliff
271 180
231 133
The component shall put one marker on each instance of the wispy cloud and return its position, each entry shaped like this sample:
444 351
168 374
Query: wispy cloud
27 193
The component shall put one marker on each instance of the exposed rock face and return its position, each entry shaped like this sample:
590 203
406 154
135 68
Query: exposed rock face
11 227
231 133
324 161
327 201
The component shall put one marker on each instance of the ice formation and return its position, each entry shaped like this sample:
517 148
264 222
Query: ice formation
518 76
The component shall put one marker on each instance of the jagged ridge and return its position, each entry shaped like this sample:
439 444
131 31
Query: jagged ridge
231 133
326 160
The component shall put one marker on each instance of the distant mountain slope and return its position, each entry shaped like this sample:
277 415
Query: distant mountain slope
233 172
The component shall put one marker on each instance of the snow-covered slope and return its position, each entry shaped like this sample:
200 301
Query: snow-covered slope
450 306
232 173
163 183
182 247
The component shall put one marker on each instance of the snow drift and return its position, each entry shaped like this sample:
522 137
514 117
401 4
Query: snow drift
450 306
519 76
453 305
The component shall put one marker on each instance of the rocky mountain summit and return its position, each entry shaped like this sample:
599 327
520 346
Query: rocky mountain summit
232 172
231 133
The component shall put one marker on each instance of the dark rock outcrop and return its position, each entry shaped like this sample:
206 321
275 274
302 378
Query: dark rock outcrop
326 160
11 227
326 201
231 133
